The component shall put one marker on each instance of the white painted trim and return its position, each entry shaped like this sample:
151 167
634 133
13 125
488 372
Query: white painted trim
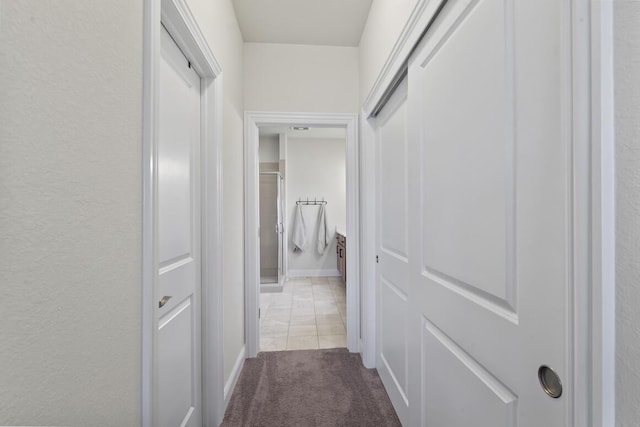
419 20
212 256
593 296
176 16
368 240
282 139
233 377
599 41
251 238
181 24
252 251
313 273
151 53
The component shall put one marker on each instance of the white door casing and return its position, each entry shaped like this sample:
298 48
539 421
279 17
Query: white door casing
483 298
253 120
177 18
179 243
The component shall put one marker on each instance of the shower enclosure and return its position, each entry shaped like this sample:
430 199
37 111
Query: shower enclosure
271 231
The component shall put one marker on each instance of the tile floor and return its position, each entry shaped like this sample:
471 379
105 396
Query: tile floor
309 313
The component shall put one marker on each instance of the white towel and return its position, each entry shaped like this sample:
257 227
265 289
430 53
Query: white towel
323 231
299 236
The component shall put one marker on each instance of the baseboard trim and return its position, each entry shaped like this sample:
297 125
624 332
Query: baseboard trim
233 378
314 273
271 287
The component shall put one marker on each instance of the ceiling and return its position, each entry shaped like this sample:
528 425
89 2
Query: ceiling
313 22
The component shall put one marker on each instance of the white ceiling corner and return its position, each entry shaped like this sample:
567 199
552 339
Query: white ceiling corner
313 22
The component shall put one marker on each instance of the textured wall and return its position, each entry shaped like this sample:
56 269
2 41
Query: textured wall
300 78
627 116
386 20
218 22
70 206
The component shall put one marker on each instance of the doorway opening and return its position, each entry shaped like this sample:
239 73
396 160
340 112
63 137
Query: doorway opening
302 172
310 265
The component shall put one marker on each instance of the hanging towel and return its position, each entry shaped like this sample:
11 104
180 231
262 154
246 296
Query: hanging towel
299 237
323 231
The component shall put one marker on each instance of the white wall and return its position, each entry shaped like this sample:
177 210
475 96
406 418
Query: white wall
386 20
269 149
627 104
70 212
300 78
70 206
316 168
218 22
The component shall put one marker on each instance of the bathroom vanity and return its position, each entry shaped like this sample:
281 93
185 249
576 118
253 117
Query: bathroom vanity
341 252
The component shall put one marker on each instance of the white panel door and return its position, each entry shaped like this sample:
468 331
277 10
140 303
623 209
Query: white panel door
489 214
178 214
392 235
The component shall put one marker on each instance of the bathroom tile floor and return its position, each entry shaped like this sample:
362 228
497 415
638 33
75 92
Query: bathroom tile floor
309 313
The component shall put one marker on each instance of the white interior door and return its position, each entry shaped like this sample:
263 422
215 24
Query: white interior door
392 236
475 255
178 237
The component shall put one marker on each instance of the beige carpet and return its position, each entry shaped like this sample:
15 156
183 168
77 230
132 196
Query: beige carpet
309 388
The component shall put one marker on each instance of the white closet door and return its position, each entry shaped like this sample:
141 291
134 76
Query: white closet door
392 235
490 216
178 236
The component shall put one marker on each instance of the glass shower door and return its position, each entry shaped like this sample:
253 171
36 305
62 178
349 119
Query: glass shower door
280 230
271 230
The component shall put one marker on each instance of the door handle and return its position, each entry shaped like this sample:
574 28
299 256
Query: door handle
165 299
550 381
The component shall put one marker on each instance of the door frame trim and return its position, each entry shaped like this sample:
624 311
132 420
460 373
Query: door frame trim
254 120
592 297
176 16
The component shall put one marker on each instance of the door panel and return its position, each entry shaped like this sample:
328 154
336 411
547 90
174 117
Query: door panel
490 199
393 345
176 332
178 236
393 183
474 220
468 163
392 236
451 376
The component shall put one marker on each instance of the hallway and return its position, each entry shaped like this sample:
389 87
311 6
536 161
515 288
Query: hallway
327 388
494 222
